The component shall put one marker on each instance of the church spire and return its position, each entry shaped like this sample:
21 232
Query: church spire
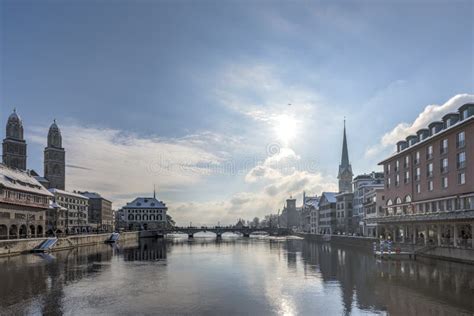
345 169
345 152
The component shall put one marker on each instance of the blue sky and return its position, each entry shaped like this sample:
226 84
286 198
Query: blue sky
195 96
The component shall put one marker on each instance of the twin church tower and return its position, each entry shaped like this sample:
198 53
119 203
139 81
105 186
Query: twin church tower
14 152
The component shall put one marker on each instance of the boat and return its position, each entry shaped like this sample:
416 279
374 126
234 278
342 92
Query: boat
327 238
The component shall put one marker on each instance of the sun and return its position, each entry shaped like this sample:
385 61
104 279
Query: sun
286 128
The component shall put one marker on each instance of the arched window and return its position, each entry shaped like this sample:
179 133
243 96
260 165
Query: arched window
130 217
159 218
398 201
408 199
152 217
389 207
138 217
145 217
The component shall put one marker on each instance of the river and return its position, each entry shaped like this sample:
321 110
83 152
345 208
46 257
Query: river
231 276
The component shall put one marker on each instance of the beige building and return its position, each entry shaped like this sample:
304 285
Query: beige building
74 219
23 204
101 216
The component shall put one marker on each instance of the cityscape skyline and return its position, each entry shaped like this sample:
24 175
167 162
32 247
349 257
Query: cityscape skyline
122 136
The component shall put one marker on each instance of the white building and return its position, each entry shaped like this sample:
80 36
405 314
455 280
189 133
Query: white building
312 203
362 185
75 218
144 213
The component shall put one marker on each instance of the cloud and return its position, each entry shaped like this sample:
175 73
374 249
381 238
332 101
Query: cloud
122 165
249 204
430 113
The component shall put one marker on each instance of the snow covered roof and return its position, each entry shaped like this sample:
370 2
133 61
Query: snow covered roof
330 196
55 205
313 201
145 202
20 180
73 194
92 195
429 138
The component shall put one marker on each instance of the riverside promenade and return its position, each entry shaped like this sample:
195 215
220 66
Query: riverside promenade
428 253
14 247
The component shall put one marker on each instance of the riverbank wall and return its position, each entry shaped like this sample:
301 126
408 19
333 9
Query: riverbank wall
18 246
363 243
430 254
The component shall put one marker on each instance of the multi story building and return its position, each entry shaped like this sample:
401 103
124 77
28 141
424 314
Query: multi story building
327 213
100 212
344 217
23 204
312 204
373 207
144 213
74 219
363 184
307 223
429 187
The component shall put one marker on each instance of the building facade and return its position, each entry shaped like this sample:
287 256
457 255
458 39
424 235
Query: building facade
344 217
74 220
363 184
429 187
144 213
373 208
327 213
23 204
55 159
307 218
101 216
312 204
14 145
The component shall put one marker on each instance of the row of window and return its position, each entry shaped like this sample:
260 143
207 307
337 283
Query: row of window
460 143
26 197
149 211
72 200
434 206
460 164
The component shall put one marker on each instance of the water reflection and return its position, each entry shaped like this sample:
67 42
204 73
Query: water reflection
199 276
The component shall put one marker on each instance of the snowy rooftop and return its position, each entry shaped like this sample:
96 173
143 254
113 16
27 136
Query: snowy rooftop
146 202
330 196
73 194
20 180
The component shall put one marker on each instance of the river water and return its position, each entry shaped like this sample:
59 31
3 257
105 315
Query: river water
232 276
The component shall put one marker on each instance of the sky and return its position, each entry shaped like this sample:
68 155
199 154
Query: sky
228 107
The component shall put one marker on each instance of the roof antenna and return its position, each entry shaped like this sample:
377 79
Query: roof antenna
154 191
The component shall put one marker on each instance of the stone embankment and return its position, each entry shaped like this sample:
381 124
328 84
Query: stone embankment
18 246
427 253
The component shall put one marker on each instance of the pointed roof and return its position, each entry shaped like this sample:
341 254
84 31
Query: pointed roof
345 152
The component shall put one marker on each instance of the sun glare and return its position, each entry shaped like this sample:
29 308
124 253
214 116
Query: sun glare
285 128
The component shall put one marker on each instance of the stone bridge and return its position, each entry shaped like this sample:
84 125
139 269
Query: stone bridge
190 231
